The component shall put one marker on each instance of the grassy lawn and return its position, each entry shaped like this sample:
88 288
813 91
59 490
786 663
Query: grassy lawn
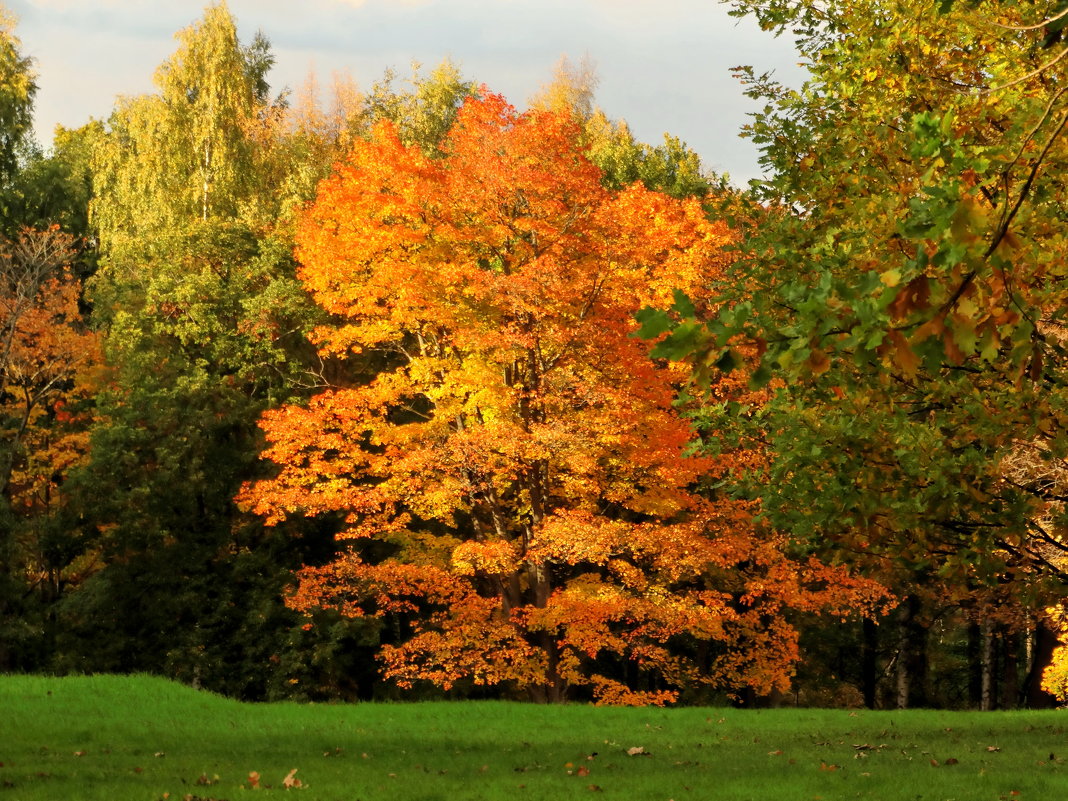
119 738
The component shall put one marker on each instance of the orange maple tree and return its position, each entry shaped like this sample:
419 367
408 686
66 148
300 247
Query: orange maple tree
48 359
46 355
516 483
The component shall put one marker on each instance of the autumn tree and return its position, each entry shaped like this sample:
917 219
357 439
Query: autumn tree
204 326
422 113
672 168
18 86
571 90
46 360
515 487
185 153
903 279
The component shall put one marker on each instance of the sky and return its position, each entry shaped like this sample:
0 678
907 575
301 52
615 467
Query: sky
664 65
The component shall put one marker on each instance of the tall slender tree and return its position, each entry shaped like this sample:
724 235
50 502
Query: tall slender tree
203 323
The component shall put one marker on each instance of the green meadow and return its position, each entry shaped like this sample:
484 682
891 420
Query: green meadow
145 739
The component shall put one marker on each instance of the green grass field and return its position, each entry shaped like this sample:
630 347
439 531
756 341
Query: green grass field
127 738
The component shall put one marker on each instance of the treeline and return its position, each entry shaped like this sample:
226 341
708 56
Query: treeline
413 393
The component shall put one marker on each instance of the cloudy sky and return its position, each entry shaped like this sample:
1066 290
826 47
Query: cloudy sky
664 65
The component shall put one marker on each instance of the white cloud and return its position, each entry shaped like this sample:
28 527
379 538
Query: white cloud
663 64
360 3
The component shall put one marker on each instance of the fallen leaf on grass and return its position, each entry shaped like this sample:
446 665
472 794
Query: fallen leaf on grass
254 780
775 753
829 768
583 771
80 753
593 787
290 781
637 750
992 748
159 754
952 761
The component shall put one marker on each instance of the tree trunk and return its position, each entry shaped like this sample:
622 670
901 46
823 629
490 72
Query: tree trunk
919 637
974 657
987 700
912 656
869 663
902 672
1045 642
1010 677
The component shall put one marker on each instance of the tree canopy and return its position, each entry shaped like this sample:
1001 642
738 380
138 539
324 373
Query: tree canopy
522 461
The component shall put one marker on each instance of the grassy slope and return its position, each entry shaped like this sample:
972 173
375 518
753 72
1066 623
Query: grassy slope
119 738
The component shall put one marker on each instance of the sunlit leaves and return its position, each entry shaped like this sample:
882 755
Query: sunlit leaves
898 276
48 364
18 86
516 483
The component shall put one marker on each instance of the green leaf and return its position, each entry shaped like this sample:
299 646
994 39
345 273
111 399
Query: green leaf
654 322
760 377
681 343
728 361
683 305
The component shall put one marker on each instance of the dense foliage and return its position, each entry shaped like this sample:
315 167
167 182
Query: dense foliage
521 460
522 405
903 278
